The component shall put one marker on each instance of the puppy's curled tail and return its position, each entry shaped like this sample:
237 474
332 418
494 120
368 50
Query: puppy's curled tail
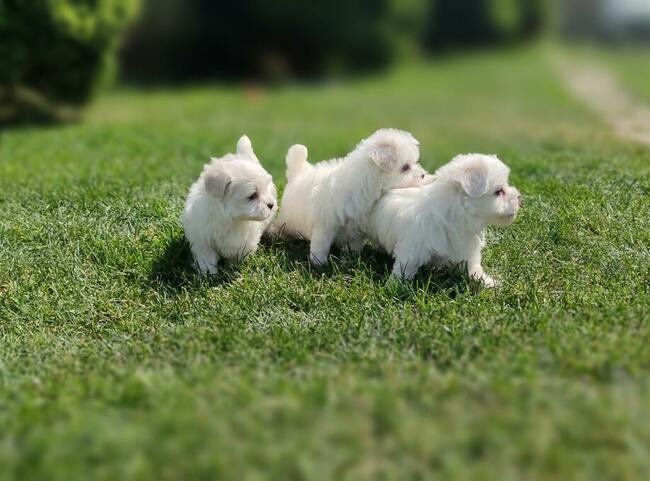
296 160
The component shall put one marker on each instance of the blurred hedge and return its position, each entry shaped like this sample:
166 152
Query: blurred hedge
194 39
54 53
188 39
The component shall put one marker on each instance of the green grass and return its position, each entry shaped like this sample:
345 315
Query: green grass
118 362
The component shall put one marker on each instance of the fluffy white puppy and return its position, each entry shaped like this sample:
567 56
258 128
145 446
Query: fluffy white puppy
228 208
443 223
329 201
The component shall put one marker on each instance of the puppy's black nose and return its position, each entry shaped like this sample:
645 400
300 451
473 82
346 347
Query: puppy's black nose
270 205
423 176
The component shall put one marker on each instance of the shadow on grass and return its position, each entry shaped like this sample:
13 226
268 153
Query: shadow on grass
376 265
294 256
25 107
174 270
33 124
448 281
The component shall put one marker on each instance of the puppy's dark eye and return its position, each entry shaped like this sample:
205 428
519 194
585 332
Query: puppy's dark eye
406 168
253 196
500 192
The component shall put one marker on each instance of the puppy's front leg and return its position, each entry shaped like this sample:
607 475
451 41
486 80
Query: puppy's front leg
319 248
476 272
206 258
405 269
475 269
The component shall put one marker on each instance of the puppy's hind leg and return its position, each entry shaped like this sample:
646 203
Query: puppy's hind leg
355 245
205 257
319 248
351 245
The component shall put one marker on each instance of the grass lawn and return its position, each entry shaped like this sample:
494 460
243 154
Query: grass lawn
118 362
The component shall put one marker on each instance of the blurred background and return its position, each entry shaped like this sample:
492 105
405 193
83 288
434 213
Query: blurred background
56 54
117 360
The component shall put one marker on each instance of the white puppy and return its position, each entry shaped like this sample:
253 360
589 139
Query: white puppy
443 223
328 202
228 208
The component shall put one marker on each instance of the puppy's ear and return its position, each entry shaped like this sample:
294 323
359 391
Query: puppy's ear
217 184
245 148
384 155
474 181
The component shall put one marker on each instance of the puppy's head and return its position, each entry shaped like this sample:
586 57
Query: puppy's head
483 182
242 186
396 153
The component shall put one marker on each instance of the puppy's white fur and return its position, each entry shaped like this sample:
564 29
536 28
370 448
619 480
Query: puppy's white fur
228 208
443 223
329 201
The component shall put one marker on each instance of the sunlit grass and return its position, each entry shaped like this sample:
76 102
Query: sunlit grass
118 362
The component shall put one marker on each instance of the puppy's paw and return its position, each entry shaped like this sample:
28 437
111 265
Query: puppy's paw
207 267
489 281
404 271
318 260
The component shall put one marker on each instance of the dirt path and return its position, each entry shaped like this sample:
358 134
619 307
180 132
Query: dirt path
602 93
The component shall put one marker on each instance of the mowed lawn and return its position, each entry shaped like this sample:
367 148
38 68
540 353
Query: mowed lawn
118 362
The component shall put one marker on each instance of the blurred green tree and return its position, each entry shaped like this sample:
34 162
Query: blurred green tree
55 53
469 23
177 40
408 23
